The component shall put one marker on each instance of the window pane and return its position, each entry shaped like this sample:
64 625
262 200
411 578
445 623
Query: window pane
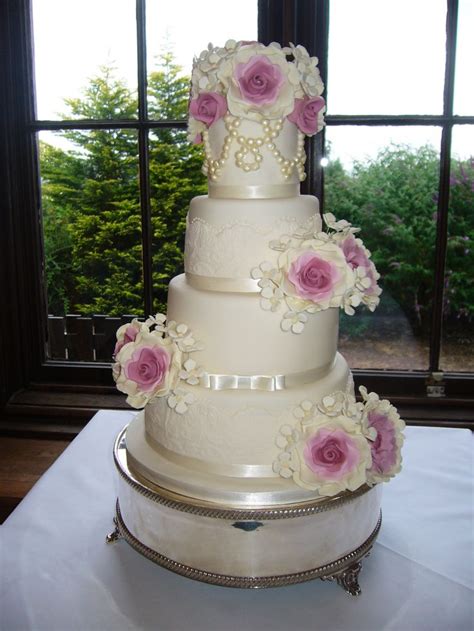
386 57
463 90
178 31
391 196
92 236
175 178
85 45
458 333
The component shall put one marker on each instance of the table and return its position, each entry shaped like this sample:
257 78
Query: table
58 574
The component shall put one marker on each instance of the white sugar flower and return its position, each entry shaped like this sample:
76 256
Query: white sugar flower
266 274
287 437
332 404
304 411
352 298
294 321
205 70
371 302
195 129
191 372
282 465
182 336
180 399
339 226
271 298
281 244
158 321
307 68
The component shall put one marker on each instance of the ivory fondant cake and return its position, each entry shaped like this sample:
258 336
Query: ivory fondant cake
250 433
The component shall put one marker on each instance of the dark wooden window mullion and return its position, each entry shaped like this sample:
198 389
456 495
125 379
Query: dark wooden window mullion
144 159
443 197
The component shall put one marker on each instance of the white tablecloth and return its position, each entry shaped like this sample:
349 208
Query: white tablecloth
57 573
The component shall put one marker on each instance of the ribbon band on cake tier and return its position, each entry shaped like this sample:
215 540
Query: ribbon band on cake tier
219 283
213 468
266 383
261 191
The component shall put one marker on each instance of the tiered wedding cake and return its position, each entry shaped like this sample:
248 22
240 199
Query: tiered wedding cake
249 416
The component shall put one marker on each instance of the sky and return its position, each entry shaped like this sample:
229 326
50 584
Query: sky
385 57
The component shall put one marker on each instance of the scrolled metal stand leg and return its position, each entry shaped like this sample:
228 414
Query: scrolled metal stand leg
348 578
115 535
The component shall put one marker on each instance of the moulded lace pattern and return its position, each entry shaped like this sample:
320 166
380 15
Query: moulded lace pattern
233 249
219 434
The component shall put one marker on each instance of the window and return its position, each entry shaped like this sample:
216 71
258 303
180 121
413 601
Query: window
400 166
38 382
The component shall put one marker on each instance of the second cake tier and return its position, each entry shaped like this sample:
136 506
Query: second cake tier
238 337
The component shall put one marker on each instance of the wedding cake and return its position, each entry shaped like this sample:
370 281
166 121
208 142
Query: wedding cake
249 418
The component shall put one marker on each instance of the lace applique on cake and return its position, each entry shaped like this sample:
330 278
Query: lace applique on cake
217 433
229 250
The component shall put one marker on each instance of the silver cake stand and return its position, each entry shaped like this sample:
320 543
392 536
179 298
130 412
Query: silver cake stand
246 547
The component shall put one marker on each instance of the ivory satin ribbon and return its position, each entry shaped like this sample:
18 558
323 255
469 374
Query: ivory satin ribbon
213 468
219 283
272 191
266 383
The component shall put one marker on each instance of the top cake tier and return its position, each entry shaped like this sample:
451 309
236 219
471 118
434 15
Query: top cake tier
252 106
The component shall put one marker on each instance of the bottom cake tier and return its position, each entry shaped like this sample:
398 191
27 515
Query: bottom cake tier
252 546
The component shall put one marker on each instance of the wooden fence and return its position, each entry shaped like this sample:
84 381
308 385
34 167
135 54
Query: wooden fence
78 338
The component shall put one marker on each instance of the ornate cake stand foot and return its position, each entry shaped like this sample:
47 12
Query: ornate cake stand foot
115 535
348 579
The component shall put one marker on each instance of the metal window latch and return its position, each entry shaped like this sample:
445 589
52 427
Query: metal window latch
435 385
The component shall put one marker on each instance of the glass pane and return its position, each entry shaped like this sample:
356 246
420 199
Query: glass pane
92 238
386 57
85 46
389 190
176 33
458 332
463 90
175 178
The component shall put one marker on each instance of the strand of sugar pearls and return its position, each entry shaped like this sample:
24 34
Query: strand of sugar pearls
252 146
212 168
286 166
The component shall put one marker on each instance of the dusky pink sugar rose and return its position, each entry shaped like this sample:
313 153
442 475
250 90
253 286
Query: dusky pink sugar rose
148 367
313 277
384 448
331 454
354 253
129 335
372 275
259 80
306 113
208 107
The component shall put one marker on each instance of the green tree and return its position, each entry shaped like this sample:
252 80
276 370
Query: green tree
393 198
459 281
175 173
91 206
60 174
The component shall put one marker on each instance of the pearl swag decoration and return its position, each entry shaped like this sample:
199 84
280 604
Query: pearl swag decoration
252 146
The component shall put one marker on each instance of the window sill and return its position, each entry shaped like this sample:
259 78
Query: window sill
58 411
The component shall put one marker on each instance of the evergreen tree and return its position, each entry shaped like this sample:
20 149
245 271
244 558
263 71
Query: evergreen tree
175 174
92 219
